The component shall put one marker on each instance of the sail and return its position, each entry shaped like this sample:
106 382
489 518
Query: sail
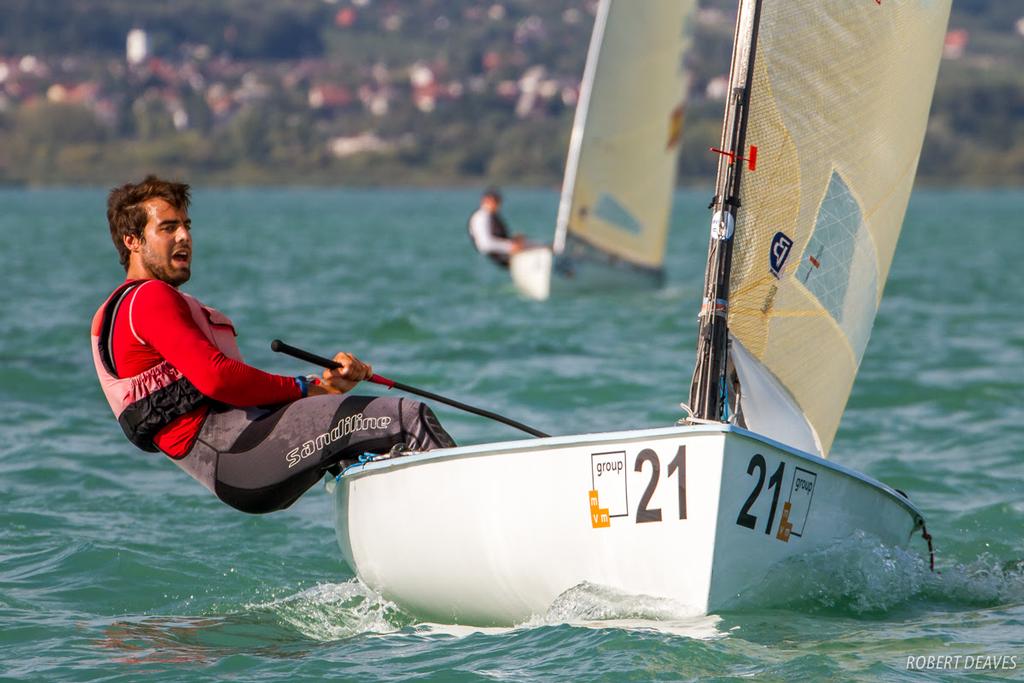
621 168
839 103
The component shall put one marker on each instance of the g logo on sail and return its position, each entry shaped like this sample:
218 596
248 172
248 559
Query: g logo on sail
779 253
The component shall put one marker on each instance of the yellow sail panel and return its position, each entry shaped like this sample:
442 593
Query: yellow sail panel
621 170
839 105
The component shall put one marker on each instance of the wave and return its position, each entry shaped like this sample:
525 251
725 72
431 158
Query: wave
862 575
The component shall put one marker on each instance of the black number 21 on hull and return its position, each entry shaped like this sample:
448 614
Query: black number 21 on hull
757 462
676 465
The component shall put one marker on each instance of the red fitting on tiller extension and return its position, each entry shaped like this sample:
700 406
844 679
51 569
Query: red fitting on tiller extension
377 379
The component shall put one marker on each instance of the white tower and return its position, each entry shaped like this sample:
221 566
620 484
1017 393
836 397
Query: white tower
137 47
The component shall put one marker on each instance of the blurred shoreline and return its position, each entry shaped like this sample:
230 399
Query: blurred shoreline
414 94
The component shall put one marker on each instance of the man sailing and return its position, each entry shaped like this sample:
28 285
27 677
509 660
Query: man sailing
489 231
173 375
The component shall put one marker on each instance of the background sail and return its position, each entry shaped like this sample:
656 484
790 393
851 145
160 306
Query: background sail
621 169
838 111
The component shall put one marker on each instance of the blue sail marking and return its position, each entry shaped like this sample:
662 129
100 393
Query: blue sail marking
611 211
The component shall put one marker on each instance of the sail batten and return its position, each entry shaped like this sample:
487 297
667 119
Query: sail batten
621 169
838 107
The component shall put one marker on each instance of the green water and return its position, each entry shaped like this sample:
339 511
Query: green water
114 565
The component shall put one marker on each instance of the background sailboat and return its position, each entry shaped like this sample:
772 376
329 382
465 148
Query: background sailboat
616 203
835 95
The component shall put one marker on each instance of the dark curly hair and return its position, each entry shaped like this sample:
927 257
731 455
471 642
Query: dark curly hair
126 215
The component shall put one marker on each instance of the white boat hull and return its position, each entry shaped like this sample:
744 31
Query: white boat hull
531 272
492 534
538 274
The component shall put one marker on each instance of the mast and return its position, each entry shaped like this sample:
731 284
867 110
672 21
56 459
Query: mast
578 125
708 388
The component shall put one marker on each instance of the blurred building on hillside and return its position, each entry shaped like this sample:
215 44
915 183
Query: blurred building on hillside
136 46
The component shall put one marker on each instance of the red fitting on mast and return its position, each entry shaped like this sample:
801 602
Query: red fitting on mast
734 157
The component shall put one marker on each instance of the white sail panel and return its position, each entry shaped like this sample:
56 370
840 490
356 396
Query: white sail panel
621 170
838 110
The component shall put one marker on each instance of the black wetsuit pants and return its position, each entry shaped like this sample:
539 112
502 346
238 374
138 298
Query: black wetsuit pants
261 460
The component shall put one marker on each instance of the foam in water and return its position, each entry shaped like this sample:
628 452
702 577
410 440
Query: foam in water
598 606
331 611
334 611
863 575
859 575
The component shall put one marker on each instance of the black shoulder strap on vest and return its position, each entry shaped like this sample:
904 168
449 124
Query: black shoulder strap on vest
498 226
110 310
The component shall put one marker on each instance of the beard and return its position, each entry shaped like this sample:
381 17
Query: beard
166 272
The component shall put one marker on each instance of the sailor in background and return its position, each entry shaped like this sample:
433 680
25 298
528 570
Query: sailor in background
489 232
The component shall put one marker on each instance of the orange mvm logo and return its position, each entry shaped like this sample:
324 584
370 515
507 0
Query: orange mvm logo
785 526
599 517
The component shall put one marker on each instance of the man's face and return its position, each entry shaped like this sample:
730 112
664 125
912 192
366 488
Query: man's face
165 250
492 204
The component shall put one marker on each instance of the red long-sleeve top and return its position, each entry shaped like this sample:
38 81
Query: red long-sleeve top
156 324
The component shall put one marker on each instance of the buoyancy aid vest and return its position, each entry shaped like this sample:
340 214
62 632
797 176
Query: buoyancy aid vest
147 402
498 226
